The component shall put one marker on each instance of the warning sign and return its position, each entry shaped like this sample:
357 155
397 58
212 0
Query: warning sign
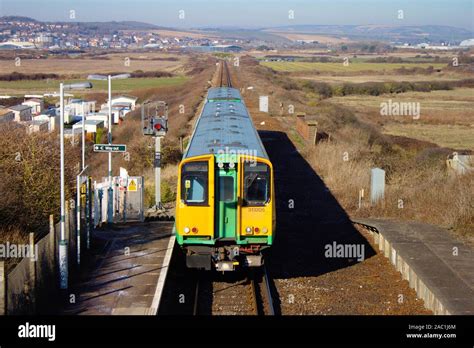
132 185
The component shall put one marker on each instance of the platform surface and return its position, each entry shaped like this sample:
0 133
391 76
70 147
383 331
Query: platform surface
444 264
128 276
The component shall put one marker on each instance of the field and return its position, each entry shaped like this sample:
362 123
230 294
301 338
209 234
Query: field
383 78
311 37
451 136
451 107
83 65
121 85
355 66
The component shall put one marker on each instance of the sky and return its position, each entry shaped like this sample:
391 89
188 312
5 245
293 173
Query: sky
249 13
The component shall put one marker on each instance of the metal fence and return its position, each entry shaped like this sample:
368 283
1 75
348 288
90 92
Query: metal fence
32 286
123 197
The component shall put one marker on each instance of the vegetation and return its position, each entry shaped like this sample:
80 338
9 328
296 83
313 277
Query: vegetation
352 67
29 167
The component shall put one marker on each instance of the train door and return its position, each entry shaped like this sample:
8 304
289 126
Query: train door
226 202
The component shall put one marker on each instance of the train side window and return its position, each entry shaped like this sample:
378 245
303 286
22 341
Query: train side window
194 183
256 184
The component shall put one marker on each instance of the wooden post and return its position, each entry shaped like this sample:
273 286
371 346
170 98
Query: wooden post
3 288
32 287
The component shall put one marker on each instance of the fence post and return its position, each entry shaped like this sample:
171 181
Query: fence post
3 289
32 269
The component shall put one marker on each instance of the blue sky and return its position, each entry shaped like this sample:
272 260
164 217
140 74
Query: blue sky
250 13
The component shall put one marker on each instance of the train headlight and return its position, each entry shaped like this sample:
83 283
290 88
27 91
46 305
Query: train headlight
264 230
257 230
231 165
220 165
186 230
194 230
248 230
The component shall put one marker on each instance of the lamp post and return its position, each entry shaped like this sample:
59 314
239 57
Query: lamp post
63 267
110 190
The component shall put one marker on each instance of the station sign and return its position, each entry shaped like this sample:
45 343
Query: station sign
110 148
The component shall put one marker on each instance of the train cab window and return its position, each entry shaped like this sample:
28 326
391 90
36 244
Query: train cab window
194 183
256 184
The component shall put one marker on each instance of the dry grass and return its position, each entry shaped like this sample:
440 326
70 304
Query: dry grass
451 107
450 136
424 192
86 65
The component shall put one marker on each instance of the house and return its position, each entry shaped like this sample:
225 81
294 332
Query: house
123 99
51 118
116 114
80 107
6 115
37 105
37 126
22 112
90 126
100 116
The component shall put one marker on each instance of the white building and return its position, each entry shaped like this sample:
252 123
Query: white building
80 107
36 105
52 119
99 116
37 126
124 99
90 126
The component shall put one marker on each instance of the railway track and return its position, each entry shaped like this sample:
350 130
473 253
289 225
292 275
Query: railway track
224 75
234 294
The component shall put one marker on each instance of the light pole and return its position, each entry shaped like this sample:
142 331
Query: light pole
110 190
63 267
83 137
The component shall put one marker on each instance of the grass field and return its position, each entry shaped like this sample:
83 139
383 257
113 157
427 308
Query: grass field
336 80
41 86
452 107
115 62
354 66
452 136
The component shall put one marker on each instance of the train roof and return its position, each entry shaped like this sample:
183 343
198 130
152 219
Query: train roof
225 126
218 93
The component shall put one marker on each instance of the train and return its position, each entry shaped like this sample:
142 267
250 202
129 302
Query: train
225 204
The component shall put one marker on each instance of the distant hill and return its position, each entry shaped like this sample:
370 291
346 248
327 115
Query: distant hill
101 26
412 34
17 19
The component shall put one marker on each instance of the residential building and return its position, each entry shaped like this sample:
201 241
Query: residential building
22 112
6 115
36 104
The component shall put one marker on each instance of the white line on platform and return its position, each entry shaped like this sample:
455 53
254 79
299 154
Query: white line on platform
153 310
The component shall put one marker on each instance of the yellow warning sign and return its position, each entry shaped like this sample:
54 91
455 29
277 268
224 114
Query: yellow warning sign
132 185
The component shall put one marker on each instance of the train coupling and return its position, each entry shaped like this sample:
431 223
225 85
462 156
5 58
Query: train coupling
224 266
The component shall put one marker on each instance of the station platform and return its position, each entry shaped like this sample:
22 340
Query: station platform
438 267
128 276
